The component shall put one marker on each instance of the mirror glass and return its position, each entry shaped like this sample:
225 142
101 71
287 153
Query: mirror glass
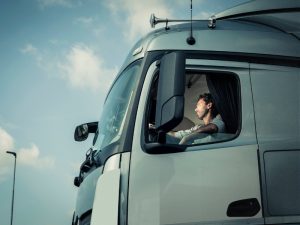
81 132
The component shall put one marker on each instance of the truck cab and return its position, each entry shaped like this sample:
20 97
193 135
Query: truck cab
248 59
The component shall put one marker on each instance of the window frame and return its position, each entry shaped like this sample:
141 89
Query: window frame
191 147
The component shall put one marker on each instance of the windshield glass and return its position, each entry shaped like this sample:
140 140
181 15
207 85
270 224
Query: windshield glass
116 107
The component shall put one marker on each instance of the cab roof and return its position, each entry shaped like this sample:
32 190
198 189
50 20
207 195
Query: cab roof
283 15
268 27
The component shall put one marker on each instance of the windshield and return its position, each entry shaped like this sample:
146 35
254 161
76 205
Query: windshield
116 107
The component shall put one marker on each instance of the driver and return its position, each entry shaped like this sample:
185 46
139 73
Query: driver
212 121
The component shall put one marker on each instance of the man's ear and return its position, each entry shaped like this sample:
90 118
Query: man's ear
209 105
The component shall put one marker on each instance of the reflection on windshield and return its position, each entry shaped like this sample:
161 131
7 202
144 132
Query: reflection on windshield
116 107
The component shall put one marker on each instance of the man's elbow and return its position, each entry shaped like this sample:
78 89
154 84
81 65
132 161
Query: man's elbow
213 128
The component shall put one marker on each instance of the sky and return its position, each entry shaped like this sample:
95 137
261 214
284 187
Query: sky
58 59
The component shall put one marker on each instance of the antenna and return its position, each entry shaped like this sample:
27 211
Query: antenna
191 40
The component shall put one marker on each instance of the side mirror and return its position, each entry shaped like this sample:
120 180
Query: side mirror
170 95
82 131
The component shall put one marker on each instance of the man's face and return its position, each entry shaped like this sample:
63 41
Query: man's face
202 108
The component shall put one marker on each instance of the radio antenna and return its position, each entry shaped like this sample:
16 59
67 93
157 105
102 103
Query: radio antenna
191 40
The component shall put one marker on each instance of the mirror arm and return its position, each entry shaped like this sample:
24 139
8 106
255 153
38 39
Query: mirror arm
92 127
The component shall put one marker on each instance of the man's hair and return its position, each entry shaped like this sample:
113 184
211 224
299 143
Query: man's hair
207 97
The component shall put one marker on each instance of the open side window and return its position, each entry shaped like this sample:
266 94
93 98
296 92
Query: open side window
223 89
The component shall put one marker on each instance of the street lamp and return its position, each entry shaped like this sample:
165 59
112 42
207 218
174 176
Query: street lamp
13 192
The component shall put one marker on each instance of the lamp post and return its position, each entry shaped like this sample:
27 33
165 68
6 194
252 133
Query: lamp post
13 192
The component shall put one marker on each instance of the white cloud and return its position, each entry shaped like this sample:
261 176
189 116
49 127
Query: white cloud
98 31
84 20
31 157
199 9
39 56
3 173
6 141
29 49
81 67
136 15
33 51
93 24
25 156
54 41
6 144
84 69
65 3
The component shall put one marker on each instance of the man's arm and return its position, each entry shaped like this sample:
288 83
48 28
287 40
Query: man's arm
203 130
172 133
209 129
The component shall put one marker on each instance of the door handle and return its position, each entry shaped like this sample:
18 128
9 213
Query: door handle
243 208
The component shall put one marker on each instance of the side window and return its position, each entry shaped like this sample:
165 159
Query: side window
211 109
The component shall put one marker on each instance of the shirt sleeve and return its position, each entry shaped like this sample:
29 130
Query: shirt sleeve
219 123
182 133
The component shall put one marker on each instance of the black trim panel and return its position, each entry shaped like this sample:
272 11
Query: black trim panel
255 13
246 57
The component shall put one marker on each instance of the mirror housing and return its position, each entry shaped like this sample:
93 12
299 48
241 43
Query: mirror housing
82 131
170 94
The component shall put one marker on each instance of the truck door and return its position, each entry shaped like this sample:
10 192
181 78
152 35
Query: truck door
276 94
215 177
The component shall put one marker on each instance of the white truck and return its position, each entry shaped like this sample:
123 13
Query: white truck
248 59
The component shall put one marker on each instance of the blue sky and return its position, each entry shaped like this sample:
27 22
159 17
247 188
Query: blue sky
58 59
